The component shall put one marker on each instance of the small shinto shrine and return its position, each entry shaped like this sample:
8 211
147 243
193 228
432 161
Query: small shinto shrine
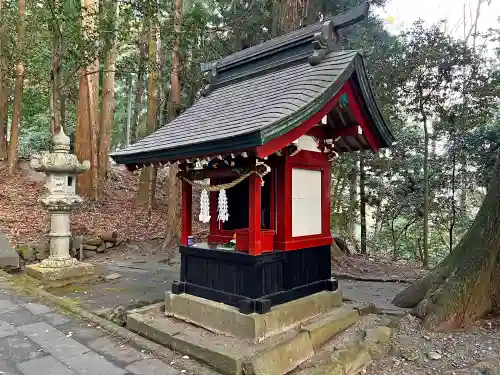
259 143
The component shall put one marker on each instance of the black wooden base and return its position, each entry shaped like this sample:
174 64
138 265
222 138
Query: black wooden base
254 283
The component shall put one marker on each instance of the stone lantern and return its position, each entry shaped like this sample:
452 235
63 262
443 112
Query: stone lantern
61 169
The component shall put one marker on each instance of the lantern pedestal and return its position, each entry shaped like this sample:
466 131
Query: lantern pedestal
78 272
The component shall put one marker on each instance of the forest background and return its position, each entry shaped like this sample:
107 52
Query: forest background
110 72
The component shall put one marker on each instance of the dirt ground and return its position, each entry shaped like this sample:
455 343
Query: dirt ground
416 351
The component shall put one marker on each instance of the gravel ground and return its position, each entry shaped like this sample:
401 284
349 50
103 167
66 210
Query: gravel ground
418 352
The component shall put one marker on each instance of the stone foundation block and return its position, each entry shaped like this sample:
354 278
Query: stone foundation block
58 277
222 318
325 328
281 358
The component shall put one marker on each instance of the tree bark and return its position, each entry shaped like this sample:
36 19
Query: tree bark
147 180
425 263
4 98
55 84
466 284
362 200
130 94
139 92
291 15
87 126
18 94
108 91
353 194
173 193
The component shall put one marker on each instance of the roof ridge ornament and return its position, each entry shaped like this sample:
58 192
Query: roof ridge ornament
325 41
209 79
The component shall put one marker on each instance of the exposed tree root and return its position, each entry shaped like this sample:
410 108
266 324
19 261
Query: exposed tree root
466 285
453 296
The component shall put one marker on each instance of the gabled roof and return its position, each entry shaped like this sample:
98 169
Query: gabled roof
257 103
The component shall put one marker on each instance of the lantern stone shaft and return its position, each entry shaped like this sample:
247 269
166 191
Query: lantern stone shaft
61 168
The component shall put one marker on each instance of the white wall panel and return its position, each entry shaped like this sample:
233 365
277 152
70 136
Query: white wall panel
306 202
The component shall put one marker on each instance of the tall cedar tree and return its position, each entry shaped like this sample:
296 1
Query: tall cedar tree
147 180
18 93
139 90
4 102
56 106
87 120
174 101
111 10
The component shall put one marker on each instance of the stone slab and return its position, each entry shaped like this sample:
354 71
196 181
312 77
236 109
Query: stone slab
55 319
329 325
6 305
226 319
91 363
281 358
38 308
8 368
7 329
9 258
19 348
46 365
122 353
80 332
52 340
20 317
58 277
224 354
151 367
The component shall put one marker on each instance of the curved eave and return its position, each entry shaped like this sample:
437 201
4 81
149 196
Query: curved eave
222 146
357 74
370 106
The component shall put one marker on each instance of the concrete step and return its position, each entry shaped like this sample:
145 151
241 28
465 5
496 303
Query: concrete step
351 350
276 355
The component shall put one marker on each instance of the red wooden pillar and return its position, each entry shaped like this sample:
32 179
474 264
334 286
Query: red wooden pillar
254 212
187 212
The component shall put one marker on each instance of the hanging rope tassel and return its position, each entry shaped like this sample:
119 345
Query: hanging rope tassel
222 206
204 207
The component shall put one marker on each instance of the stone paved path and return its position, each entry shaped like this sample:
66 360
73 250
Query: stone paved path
379 293
35 340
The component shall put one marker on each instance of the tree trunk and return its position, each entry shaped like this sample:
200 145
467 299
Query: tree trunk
353 194
362 200
378 213
291 15
173 193
87 121
55 84
147 180
425 263
338 176
466 284
108 91
4 98
139 91
18 94
130 86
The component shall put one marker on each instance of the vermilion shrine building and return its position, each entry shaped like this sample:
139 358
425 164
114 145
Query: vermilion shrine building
275 114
